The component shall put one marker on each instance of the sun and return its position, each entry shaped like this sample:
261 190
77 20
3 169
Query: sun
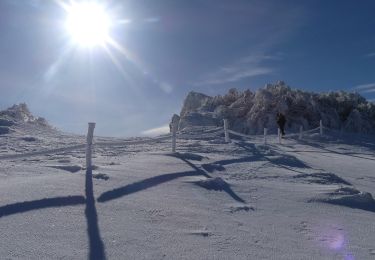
88 24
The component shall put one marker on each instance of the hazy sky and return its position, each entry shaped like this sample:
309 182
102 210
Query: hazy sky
174 46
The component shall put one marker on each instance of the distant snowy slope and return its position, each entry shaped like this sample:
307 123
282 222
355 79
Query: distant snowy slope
250 112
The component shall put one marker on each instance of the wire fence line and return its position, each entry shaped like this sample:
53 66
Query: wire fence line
199 132
43 152
288 135
135 142
80 147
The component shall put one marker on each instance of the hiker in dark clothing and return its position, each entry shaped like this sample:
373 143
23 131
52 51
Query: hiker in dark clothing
280 119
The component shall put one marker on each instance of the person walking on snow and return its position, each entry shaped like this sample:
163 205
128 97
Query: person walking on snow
280 119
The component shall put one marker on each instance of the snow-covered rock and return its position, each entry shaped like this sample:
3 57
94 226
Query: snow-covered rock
250 112
20 115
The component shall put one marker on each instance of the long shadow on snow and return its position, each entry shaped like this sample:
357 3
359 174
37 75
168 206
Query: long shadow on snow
363 140
96 245
319 146
25 206
225 187
142 185
284 161
253 158
287 161
157 180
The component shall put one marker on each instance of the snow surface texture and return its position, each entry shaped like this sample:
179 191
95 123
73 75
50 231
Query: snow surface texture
301 199
250 112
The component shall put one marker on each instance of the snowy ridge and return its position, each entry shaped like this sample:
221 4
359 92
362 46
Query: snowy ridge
250 112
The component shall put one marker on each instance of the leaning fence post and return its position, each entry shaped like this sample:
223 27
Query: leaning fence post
300 132
90 135
174 133
265 135
226 134
321 127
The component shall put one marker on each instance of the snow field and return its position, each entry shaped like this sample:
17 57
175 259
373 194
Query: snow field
211 200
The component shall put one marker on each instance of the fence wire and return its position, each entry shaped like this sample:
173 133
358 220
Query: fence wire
199 133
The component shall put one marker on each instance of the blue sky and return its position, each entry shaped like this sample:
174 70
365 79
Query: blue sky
173 47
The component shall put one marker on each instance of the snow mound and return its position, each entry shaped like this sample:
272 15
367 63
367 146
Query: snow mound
250 112
211 167
100 176
237 208
69 168
321 178
349 197
28 139
203 233
190 156
216 183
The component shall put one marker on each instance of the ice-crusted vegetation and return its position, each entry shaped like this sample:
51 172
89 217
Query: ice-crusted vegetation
249 112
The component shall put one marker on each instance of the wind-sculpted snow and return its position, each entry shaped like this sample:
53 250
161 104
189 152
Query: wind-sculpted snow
250 112
298 199
349 197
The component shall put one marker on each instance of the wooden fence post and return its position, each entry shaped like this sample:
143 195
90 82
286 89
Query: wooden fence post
90 136
321 127
226 134
265 135
300 132
174 134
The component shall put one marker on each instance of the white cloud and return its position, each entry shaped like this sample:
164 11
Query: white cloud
365 88
156 131
370 55
124 21
152 20
166 87
247 67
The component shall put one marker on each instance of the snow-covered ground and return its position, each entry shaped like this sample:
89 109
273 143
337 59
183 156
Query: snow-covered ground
305 199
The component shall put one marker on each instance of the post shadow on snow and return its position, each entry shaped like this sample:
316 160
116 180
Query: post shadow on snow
25 206
326 150
96 246
211 167
370 208
157 180
224 187
142 185
238 160
219 165
322 178
285 161
365 140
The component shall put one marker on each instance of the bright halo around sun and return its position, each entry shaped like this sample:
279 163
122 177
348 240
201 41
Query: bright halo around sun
88 24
